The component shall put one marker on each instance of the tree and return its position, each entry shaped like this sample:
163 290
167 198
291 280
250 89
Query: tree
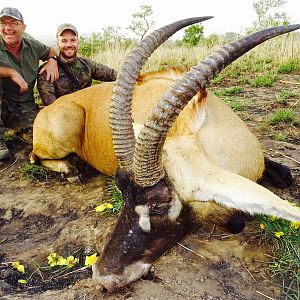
265 17
91 45
112 35
141 23
193 35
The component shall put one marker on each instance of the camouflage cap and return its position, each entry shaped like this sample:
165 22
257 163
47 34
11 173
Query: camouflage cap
11 12
66 26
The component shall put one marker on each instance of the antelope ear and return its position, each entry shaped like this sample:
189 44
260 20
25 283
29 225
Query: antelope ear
196 178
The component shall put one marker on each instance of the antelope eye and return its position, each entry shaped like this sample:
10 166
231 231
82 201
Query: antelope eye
159 209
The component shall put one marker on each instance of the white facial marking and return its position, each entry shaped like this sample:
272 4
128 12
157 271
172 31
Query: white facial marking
136 270
144 220
175 208
137 128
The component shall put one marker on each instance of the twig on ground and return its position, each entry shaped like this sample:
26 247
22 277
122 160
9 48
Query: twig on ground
3 240
72 272
248 271
38 270
225 236
211 233
295 104
290 82
10 165
268 255
294 160
191 250
258 292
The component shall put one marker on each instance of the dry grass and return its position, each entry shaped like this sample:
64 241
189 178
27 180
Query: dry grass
277 50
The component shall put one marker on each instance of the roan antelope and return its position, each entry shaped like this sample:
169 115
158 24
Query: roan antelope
194 158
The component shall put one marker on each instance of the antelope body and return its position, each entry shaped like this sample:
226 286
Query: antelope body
79 123
192 157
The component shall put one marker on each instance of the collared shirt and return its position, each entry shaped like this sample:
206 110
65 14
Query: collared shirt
31 53
73 76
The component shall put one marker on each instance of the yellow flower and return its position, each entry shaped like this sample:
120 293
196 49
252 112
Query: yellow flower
52 259
272 218
61 261
102 207
18 266
56 260
71 261
22 281
278 234
90 260
295 225
262 226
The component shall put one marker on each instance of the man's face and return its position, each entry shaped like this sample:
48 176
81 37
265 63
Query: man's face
11 30
68 44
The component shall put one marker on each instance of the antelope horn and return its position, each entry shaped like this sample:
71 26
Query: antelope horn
147 166
120 107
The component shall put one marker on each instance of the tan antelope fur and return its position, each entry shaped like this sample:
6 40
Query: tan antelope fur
204 134
209 154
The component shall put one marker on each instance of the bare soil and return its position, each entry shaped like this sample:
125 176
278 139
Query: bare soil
38 217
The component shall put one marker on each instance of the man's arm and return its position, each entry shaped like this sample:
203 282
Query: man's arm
14 76
51 67
46 89
103 72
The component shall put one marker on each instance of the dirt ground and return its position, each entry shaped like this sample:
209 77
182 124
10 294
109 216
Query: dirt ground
38 217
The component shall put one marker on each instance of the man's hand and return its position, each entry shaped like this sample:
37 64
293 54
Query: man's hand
51 70
19 80
15 77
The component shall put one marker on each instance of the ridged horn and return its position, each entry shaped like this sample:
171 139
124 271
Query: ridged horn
147 165
120 107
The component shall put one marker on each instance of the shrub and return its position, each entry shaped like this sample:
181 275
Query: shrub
289 66
264 81
32 171
283 116
285 263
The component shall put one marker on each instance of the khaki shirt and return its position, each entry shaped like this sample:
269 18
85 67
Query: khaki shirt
32 52
73 76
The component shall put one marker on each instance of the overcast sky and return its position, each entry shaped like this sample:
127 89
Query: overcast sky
43 17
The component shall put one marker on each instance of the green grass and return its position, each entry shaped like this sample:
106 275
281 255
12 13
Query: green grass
235 74
264 80
285 265
234 104
217 79
115 197
8 137
281 137
32 171
285 95
289 66
261 65
229 91
287 116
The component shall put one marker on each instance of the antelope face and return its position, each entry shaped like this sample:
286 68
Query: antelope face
151 222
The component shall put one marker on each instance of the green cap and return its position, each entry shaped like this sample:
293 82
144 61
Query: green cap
66 26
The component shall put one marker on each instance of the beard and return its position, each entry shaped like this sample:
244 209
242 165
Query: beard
69 53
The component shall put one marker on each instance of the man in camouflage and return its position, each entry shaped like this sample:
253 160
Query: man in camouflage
75 72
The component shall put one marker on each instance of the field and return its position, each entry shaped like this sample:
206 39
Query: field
46 215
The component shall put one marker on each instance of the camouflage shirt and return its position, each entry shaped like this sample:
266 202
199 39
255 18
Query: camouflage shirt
73 76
